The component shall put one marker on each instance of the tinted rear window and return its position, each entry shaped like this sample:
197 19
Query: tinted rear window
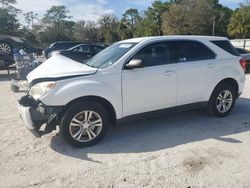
242 51
227 46
187 51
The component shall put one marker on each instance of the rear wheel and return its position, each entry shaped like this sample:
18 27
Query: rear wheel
84 124
222 100
5 48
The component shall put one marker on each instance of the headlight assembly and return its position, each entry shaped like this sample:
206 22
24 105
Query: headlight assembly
40 89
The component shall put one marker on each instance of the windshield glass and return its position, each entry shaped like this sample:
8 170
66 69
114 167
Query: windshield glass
110 55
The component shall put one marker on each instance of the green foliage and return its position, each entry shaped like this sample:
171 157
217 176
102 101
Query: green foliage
153 22
83 31
57 25
239 25
30 17
56 14
129 21
188 17
108 30
8 22
162 17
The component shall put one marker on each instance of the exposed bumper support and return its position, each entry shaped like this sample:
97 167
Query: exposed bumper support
33 119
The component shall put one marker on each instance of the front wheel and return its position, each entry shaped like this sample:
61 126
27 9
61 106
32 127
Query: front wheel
222 100
84 124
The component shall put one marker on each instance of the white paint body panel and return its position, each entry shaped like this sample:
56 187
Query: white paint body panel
143 89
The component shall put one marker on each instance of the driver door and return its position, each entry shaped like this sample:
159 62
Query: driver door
152 87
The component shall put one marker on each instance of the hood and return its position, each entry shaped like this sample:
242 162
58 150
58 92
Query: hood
60 66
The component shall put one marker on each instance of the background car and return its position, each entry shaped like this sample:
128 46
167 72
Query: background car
7 46
81 52
245 54
61 45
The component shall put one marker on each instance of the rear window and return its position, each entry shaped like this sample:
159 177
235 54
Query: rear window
188 51
227 46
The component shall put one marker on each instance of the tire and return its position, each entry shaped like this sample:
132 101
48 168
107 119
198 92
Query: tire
76 128
223 94
5 48
14 88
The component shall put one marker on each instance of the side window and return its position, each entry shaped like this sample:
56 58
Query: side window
97 49
153 55
83 49
182 51
227 46
194 51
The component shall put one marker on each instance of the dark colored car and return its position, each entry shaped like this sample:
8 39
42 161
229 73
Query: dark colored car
7 46
61 45
81 52
245 54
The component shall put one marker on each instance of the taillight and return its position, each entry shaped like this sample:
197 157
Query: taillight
243 64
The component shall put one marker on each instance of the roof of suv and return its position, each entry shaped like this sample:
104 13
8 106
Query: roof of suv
14 38
137 40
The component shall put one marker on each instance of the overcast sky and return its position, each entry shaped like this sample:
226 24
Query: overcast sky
93 9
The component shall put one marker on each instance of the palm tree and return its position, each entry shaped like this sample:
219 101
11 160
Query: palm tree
239 24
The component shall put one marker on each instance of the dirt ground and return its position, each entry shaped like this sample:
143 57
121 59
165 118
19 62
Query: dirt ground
188 149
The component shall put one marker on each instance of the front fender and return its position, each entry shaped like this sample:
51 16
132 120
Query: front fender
66 91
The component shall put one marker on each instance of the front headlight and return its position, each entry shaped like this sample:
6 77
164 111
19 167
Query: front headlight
40 89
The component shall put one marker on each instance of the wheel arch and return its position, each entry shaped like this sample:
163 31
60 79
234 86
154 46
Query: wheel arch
230 81
102 101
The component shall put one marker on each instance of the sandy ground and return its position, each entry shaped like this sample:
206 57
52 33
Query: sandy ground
188 149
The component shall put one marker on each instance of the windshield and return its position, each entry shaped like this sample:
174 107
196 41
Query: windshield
110 55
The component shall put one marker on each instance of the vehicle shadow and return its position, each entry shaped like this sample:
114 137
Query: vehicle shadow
165 132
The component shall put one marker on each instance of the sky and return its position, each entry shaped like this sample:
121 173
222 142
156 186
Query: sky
93 9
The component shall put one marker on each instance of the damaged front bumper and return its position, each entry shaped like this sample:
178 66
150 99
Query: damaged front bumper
37 117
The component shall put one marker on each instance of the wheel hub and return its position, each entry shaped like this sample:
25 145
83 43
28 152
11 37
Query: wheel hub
85 126
224 101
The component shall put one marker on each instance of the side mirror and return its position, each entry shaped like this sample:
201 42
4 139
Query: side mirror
134 63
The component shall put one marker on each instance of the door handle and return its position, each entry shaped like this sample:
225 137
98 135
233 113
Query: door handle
211 65
169 73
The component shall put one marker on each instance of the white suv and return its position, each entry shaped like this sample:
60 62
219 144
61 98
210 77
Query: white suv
132 78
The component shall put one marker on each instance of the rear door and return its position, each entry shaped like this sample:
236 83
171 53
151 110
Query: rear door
196 66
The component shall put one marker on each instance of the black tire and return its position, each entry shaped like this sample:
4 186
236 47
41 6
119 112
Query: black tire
76 109
14 88
5 48
212 106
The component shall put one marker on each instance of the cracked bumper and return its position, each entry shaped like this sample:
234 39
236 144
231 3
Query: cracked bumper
34 115
25 115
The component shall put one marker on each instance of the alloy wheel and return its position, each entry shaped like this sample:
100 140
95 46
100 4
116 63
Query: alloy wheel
85 126
224 101
5 48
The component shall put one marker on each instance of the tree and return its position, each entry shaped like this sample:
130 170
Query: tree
239 25
57 25
8 22
153 19
56 17
129 18
221 16
188 17
29 18
108 31
85 30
